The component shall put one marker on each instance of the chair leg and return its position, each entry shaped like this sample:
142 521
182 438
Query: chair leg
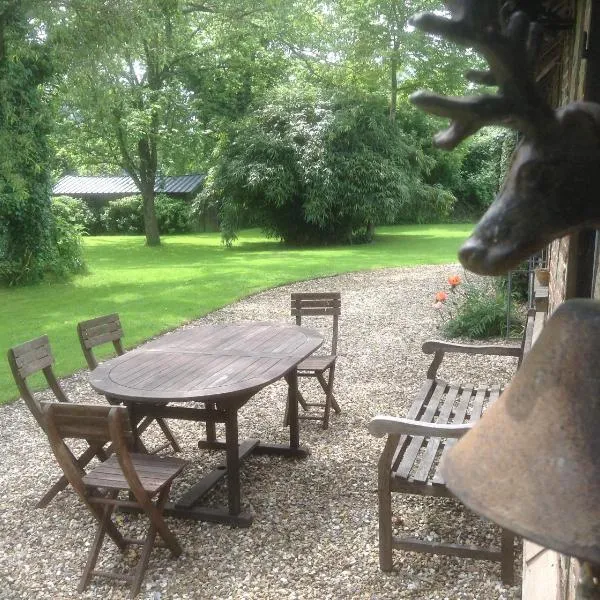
385 527
508 557
169 434
176 550
325 385
328 389
142 565
94 552
155 513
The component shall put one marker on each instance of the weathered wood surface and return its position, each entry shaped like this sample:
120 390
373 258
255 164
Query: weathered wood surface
321 367
222 366
102 330
33 357
411 459
212 362
98 331
145 477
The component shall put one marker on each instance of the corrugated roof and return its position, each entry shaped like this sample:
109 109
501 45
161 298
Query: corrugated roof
71 185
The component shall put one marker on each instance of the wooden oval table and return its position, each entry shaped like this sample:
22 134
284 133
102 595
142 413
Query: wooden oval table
220 366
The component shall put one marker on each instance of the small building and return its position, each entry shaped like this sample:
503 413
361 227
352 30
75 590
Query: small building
103 189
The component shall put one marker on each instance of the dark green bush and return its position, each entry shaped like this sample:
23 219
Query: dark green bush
124 216
173 215
25 219
308 169
478 175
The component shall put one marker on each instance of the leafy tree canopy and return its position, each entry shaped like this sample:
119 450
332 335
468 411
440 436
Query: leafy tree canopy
315 169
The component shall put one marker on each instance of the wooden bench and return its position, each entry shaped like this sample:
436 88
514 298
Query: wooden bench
410 461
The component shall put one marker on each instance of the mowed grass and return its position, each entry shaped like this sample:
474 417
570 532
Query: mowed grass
157 289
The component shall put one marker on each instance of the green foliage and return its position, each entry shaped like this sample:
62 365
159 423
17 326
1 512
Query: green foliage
76 212
173 214
124 215
67 233
478 311
26 224
308 169
479 174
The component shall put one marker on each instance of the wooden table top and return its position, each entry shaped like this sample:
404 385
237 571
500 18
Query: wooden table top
206 363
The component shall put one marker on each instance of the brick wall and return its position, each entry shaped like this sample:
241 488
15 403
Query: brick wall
548 575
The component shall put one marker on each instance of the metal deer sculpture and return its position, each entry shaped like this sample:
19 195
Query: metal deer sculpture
553 184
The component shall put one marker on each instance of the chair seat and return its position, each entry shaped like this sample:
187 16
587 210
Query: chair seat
416 468
316 363
154 472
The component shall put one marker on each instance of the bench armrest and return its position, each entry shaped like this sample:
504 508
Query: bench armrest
384 425
431 346
439 349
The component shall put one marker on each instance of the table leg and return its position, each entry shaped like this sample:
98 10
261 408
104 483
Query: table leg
292 381
211 431
233 462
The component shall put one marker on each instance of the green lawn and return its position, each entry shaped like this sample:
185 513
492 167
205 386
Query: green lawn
156 289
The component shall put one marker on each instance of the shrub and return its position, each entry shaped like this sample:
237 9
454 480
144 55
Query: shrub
308 169
25 121
74 211
477 310
67 240
173 215
124 216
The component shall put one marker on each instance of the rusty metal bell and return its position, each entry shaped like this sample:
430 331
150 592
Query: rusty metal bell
532 463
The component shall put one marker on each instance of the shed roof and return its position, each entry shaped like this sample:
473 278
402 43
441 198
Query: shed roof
71 185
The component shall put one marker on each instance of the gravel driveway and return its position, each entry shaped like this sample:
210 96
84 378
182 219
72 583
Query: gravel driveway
314 534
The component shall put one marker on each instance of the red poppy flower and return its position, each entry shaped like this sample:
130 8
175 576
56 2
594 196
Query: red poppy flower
441 297
454 280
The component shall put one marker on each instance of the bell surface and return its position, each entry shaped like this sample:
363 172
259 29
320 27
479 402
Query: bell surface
532 463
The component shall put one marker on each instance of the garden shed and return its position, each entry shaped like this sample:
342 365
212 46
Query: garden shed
101 189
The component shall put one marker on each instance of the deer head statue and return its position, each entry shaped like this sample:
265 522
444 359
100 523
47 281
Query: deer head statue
553 183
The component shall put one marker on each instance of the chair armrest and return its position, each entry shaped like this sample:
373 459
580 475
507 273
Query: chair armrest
384 425
432 346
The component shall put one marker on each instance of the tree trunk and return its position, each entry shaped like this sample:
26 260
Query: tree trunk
150 222
148 167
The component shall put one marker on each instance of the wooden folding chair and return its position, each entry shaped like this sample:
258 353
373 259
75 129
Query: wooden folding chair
321 367
28 359
144 481
105 329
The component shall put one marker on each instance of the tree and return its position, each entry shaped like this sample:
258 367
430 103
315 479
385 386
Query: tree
308 169
379 51
27 237
121 100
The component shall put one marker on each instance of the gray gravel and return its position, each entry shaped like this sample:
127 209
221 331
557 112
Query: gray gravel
315 530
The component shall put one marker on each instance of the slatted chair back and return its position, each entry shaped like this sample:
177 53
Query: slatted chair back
27 359
143 476
304 304
99 331
107 329
84 421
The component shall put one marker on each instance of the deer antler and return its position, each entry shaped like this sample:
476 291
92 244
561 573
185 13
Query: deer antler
508 44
